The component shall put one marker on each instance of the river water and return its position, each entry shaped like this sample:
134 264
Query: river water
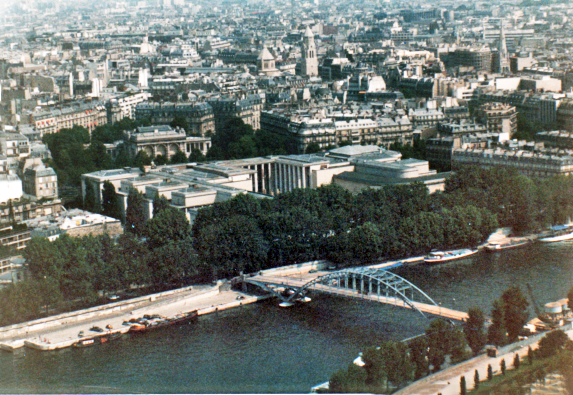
263 348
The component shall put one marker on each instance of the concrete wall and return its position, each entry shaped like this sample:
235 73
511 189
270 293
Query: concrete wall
111 228
324 177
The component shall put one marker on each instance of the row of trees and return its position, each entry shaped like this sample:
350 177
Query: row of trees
554 354
77 271
522 203
398 363
249 234
394 364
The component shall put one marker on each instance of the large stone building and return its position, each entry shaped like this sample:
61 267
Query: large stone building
199 116
52 120
468 58
124 107
328 131
163 140
249 110
525 162
41 182
189 187
498 118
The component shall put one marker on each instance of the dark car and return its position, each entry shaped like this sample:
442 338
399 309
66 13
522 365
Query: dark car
96 329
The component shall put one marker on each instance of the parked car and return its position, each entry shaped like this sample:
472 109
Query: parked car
96 329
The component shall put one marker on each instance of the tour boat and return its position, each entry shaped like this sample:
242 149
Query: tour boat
505 246
445 256
559 233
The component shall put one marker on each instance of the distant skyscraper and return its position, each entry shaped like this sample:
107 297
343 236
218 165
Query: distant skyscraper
309 59
503 62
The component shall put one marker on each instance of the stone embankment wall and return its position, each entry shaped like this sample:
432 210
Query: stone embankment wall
25 328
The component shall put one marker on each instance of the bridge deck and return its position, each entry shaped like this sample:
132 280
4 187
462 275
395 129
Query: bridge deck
289 282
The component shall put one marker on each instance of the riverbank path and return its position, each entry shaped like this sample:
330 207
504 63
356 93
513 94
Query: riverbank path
447 381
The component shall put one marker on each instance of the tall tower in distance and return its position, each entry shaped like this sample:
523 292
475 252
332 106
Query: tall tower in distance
503 62
309 64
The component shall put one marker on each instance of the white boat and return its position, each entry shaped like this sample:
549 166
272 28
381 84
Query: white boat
444 256
561 233
506 246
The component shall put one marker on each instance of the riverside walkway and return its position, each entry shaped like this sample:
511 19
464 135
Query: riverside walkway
62 331
447 381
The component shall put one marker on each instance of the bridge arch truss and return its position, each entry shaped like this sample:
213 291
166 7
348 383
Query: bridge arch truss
372 284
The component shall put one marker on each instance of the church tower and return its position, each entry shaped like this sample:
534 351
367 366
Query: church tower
503 62
309 60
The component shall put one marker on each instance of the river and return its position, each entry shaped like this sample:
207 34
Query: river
263 348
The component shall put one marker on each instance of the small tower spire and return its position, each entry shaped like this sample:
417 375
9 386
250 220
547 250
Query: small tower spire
503 65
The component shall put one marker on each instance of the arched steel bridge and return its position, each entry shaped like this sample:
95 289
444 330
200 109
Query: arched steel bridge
366 283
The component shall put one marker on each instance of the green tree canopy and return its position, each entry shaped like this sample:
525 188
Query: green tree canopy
474 330
134 214
515 312
110 201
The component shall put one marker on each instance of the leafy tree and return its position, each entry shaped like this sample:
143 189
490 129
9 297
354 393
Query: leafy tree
90 200
312 148
160 203
134 213
269 143
136 257
174 262
179 157
399 365
530 355
437 348
142 159
514 312
233 245
160 160
110 201
366 242
375 366
476 379
347 381
474 330
502 366
168 225
553 342
419 356
235 141
489 372
180 122
496 333
196 156
99 156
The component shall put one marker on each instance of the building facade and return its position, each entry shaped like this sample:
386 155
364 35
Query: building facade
163 140
52 120
199 116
